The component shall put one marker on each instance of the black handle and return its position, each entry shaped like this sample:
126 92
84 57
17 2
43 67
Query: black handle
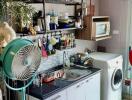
0 63
130 48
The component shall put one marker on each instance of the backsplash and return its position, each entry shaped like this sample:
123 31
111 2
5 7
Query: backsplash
57 59
54 60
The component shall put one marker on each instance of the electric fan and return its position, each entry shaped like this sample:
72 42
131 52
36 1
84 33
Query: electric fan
20 61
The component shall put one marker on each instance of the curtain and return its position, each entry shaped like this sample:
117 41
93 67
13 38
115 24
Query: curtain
128 67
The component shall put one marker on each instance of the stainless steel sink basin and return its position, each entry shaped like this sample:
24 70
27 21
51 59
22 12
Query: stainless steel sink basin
74 74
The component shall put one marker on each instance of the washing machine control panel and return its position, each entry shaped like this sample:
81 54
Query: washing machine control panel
116 63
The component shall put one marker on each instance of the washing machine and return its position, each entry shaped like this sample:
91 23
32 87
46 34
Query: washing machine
111 75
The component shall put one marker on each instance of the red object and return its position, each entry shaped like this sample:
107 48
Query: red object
48 79
127 82
44 53
130 57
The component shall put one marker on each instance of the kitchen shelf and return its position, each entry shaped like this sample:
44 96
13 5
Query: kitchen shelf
66 29
33 2
50 31
67 48
74 3
54 2
102 38
22 34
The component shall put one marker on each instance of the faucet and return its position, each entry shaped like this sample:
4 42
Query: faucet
64 57
66 61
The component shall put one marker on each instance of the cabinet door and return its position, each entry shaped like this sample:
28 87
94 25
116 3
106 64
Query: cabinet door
92 88
76 92
59 96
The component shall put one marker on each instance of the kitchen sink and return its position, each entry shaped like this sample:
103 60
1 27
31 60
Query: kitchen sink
74 74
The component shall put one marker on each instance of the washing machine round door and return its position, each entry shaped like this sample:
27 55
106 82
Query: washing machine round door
117 79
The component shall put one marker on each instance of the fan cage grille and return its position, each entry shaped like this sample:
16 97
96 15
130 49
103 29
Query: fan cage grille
26 62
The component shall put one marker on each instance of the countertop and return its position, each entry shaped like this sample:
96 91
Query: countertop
49 89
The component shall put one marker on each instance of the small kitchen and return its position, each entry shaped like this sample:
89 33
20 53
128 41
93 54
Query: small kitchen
53 50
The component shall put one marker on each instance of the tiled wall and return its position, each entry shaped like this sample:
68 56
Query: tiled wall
57 59
53 60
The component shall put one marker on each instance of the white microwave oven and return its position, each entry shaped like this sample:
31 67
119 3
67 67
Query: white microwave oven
100 26
94 28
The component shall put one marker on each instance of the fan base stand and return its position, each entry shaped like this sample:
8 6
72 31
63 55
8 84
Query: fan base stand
23 94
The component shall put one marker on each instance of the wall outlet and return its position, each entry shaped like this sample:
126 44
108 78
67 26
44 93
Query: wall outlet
116 32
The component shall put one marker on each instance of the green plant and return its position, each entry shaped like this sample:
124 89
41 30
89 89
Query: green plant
2 10
1 38
20 13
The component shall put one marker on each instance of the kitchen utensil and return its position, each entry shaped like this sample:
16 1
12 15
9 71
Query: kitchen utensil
48 77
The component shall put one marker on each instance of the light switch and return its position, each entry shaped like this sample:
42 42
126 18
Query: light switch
116 32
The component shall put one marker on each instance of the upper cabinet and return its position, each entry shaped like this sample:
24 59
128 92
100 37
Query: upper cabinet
95 28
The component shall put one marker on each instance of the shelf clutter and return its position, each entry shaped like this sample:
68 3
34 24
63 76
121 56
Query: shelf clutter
50 42
47 22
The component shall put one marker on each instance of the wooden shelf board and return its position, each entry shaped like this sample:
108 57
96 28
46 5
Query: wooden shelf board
66 29
74 3
42 32
34 2
102 38
22 35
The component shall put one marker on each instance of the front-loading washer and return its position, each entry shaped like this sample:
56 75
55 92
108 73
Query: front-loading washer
111 75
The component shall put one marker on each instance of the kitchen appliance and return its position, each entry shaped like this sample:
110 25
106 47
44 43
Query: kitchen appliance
111 76
94 28
20 61
100 26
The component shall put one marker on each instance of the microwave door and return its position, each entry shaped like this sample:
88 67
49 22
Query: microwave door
100 29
